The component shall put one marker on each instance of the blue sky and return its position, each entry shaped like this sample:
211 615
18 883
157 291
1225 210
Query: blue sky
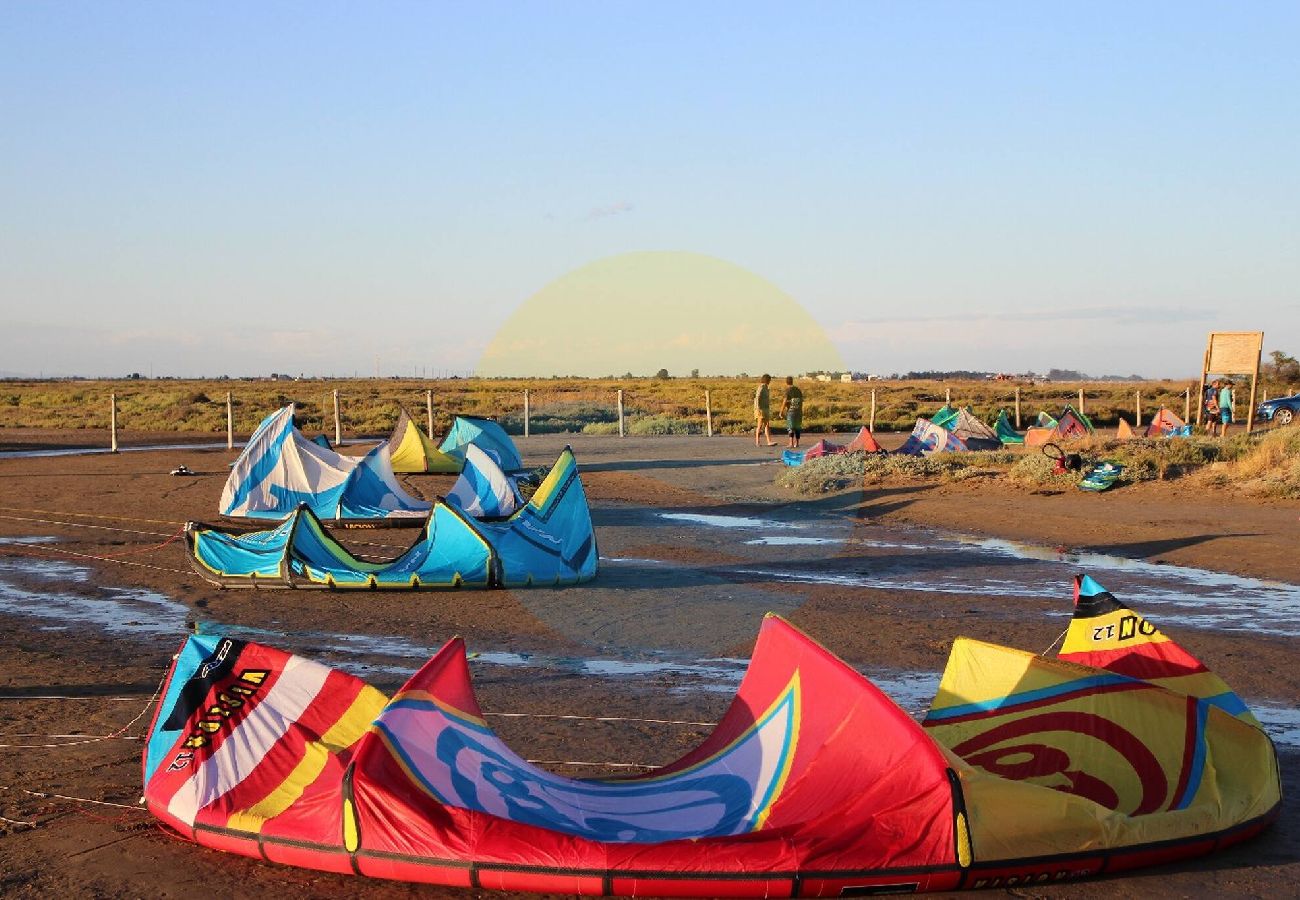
204 188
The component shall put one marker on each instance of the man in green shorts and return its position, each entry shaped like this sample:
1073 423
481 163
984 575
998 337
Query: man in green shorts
792 409
763 412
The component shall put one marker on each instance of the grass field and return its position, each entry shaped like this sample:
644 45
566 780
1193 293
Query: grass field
652 406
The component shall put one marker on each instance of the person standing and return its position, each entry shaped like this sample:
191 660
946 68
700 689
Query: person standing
1210 403
792 409
1225 406
763 413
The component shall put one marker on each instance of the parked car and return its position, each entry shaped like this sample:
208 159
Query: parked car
1282 410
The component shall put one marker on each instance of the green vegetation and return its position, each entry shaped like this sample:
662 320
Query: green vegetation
671 405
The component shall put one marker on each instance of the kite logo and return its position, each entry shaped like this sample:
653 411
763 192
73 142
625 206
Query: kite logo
182 761
228 702
1131 626
1103 632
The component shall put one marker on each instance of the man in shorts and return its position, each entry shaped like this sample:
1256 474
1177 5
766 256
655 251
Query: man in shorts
1225 400
763 412
792 409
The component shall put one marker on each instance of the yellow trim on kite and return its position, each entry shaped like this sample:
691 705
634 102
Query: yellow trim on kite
345 732
351 827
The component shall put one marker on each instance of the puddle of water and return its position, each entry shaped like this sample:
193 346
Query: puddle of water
636 560
44 569
111 610
92 451
793 541
1281 723
726 521
36 539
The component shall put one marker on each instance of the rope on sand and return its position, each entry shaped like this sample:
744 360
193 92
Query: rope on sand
120 562
97 739
44 796
84 524
395 548
55 512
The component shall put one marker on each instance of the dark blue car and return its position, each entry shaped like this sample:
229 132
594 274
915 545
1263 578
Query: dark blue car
1282 410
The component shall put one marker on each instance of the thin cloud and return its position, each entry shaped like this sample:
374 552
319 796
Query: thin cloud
1119 315
612 209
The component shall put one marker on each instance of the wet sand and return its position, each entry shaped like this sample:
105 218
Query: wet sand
92 607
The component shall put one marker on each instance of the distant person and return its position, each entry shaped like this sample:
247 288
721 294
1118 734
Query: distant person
1210 404
792 409
1225 400
763 413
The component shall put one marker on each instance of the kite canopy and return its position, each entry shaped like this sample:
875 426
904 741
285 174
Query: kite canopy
483 490
927 438
1005 433
945 417
814 783
863 442
1166 424
974 433
412 451
487 435
1072 425
280 469
548 541
1124 431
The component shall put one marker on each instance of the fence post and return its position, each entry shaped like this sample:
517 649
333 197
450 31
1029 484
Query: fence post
1187 404
230 423
428 409
338 425
620 413
1265 400
708 415
871 422
112 423
947 396
1081 401
528 411
1137 408
1017 407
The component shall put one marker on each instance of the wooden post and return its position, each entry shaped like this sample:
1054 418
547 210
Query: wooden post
871 422
1250 410
621 432
708 415
947 396
338 425
1187 405
1137 409
230 423
428 410
528 412
1265 400
1080 401
112 423
1017 408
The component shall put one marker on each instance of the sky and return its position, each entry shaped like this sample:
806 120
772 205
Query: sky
341 188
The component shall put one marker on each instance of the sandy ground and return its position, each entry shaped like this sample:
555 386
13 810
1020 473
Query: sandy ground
670 592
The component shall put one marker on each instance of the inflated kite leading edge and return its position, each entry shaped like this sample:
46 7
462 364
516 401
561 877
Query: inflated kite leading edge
814 783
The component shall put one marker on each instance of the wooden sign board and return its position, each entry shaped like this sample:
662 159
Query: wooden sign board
1232 353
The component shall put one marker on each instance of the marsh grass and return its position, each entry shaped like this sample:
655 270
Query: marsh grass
558 405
